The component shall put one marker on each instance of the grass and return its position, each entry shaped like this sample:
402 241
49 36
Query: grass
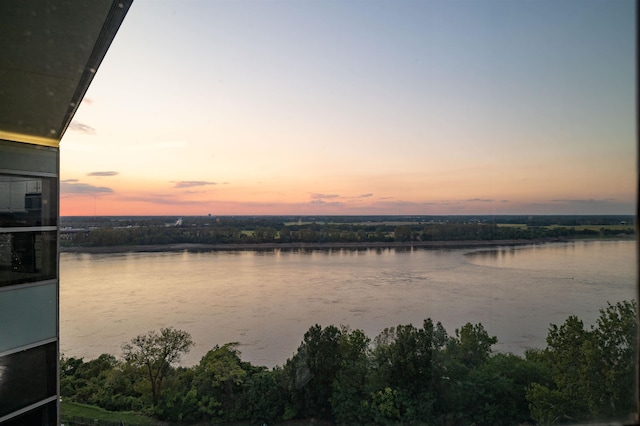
596 227
74 409
576 227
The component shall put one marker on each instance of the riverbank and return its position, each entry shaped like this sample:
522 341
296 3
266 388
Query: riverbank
306 246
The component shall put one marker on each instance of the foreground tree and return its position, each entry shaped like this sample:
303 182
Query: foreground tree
349 392
155 352
313 369
469 393
406 374
218 381
592 370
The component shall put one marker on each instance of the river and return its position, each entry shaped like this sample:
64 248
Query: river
267 300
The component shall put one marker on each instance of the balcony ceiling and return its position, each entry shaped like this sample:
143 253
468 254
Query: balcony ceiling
49 53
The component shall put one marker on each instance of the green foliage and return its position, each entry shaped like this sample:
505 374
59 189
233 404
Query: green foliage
179 401
349 391
264 397
403 356
494 392
519 373
218 380
471 345
468 391
313 369
615 352
385 408
592 370
103 381
408 361
155 352
70 409
548 406
402 233
407 375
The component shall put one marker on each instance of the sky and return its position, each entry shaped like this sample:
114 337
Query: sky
357 107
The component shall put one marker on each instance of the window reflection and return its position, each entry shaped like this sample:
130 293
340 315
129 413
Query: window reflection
27 377
27 257
45 415
27 201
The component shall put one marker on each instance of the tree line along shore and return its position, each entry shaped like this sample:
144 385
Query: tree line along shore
238 233
302 246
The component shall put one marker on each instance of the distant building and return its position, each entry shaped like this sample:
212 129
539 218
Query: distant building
49 53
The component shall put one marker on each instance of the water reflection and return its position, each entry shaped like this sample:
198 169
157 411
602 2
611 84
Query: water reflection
267 300
592 255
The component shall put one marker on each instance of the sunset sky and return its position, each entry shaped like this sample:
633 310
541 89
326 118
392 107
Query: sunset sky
359 107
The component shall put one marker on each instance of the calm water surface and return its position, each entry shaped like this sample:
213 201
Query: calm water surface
267 300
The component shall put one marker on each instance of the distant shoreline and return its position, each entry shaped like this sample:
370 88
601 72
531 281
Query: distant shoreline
314 246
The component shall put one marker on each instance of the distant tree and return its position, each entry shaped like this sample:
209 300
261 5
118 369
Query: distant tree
402 233
264 234
155 352
285 235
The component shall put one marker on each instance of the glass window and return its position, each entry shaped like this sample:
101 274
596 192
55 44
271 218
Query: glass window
27 377
28 201
27 256
28 158
45 415
32 314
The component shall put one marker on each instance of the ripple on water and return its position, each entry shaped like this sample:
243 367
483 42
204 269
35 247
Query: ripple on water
267 303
